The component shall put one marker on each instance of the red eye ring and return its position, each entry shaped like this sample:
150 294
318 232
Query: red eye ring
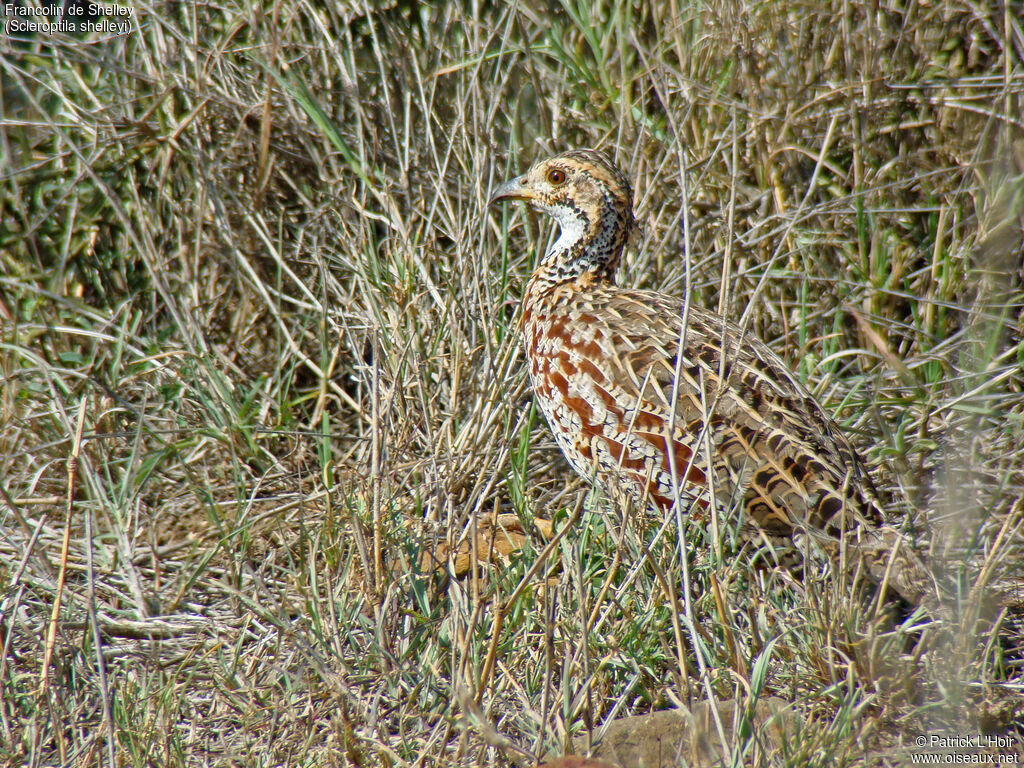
556 176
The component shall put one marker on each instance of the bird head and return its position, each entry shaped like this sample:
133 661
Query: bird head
591 201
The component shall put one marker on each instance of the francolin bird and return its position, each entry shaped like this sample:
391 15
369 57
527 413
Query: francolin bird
675 404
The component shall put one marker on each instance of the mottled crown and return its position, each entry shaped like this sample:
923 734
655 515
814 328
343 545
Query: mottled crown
592 202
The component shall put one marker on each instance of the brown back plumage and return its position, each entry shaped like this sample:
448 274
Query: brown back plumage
663 404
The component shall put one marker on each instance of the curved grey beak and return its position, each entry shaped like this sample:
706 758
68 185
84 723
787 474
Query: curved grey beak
513 189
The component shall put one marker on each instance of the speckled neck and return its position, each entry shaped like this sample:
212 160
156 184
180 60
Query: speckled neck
590 244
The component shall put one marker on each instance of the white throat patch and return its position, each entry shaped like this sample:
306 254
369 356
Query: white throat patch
571 225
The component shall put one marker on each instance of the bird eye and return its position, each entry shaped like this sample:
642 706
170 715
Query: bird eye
556 176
